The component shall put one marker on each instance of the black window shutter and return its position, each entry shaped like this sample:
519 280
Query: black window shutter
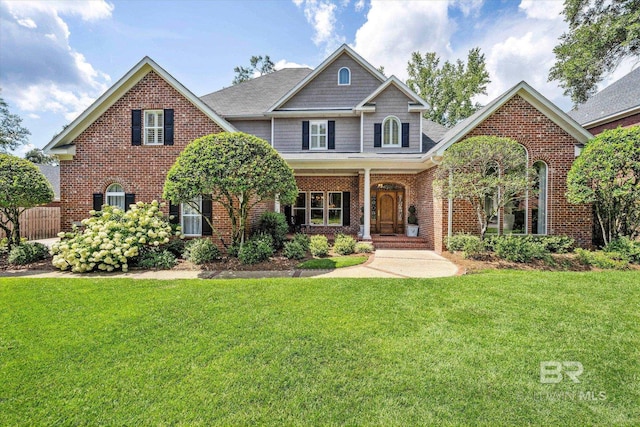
136 127
346 208
206 213
129 199
287 214
331 130
377 134
98 201
168 127
405 134
305 135
174 211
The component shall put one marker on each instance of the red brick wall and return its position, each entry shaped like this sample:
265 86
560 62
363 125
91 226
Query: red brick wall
545 141
104 153
633 120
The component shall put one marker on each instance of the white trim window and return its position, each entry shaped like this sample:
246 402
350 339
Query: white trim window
317 209
300 209
391 132
154 127
318 135
344 76
334 217
115 196
539 208
191 220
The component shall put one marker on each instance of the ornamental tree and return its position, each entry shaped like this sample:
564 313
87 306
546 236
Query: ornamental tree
237 170
481 168
607 174
22 186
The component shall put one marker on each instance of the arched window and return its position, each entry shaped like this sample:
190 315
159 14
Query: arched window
115 196
391 132
344 76
539 205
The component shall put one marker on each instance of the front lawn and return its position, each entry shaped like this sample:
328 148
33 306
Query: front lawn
332 262
320 351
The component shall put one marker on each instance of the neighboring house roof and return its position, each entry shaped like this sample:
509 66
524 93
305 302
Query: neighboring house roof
620 99
52 173
342 49
255 96
62 144
549 109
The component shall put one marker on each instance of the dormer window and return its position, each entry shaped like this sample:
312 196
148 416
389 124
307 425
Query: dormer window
391 132
344 76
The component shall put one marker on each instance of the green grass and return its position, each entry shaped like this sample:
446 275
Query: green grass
333 262
460 350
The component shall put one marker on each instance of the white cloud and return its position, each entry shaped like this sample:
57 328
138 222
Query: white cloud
283 63
469 6
542 9
41 71
33 116
359 5
394 30
321 14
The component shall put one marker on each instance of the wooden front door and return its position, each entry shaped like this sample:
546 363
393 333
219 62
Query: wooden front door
386 212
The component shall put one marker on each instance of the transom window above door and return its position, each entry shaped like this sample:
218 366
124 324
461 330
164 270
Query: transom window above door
318 135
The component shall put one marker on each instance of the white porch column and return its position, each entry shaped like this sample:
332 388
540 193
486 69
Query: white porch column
276 203
366 235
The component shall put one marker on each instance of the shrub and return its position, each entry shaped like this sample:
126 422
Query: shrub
176 247
111 238
319 245
26 253
344 245
517 249
294 250
601 259
201 251
162 259
303 240
257 249
555 244
275 225
626 247
470 246
364 248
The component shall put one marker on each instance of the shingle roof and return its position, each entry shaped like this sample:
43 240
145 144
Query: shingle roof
52 173
622 95
255 96
432 132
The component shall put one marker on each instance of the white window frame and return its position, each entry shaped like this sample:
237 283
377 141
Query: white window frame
157 127
318 134
348 83
323 208
119 195
388 143
329 208
304 209
191 215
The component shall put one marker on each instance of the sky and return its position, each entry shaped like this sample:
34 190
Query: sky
57 57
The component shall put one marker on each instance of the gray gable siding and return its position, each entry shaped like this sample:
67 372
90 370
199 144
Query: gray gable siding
392 102
288 134
259 128
323 91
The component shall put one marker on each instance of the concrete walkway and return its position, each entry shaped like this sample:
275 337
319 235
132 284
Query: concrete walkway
385 263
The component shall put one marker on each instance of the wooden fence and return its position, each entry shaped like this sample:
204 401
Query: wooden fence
39 223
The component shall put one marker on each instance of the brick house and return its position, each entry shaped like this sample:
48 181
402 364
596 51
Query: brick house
355 138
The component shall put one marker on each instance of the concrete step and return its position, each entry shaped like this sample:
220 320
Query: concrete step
398 242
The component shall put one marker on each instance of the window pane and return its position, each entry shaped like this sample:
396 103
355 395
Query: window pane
335 200
322 141
317 216
539 204
159 119
187 209
301 201
314 141
300 217
317 200
314 128
150 119
515 217
322 128
115 188
116 201
335 217
192 225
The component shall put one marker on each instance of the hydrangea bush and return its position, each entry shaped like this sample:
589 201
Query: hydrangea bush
111 238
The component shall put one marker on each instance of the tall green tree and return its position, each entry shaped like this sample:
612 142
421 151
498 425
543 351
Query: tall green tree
238 171
22 186
12 133
38 156
601 34
481 168
448 89
257 64
607 174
